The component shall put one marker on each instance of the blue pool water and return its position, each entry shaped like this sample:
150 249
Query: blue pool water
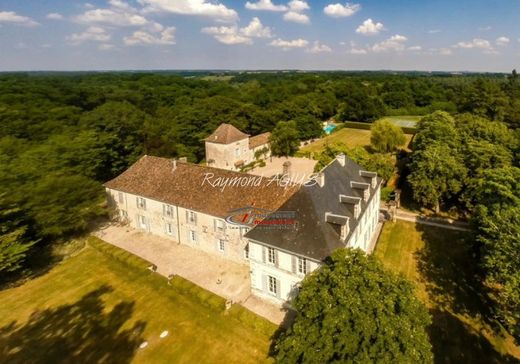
329 128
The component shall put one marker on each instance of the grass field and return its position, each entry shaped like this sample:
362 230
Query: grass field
438 261
347 136
408 121
101 304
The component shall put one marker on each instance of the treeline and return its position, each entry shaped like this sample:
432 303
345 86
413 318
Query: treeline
62 135
472 163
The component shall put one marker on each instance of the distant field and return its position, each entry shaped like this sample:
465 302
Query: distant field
347 136
407 121
100 305
438 261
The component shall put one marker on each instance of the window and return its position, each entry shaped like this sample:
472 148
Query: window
272 285
219 225
237 152
169 228
124 214
302 265
221 245
168 211
121 197
271 256
192 217
142 221
192 236
141 203
246 251
243 231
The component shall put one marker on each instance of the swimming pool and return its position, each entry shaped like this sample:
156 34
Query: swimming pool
329 128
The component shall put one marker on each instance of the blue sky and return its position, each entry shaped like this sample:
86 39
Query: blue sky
260 34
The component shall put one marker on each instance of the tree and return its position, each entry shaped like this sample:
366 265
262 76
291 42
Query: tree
15 242
308 127
437 127
360 106
386 137
353 310
284 139
437 174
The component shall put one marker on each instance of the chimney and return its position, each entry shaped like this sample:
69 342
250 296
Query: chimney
341 159
174 164
286 168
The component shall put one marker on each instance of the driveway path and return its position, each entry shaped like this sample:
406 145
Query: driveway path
432 221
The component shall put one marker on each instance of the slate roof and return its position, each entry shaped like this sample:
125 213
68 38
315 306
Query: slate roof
154 178
259 140
226 134
313 237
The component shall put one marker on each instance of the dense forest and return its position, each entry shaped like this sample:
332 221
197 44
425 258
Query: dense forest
63 135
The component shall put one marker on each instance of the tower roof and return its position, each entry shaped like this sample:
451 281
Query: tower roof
226 134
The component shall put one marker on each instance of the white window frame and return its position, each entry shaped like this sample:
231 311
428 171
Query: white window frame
301 266
141 203
192 217
272 285
246 251
121 197
168 211
221 245
142 222
193 236
220 226
271 255
168 228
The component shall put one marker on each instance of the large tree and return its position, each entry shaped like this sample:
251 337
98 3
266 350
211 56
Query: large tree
284 139
437 174
386 137
353 310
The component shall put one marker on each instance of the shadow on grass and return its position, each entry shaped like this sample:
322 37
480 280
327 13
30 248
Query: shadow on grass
81 332
456 342
447 266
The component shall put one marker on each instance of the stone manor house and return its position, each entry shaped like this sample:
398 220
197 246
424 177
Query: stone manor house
282 232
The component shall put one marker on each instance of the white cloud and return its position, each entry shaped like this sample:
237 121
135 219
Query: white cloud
295 17
289 44
256 29
357 51
477 43
119 14
339 10
54 16
227 35
369 27
94 34
234 35
13 18
502 41
414 48
318 48
298 6
141 37
266 5
394 43
211 9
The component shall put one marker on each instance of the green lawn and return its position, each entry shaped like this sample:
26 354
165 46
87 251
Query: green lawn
102 303
408 121
348 136
439 262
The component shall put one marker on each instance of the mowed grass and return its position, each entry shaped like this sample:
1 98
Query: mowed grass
439 262
101 304
346 136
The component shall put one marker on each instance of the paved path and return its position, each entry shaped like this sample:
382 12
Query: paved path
432 221
221 276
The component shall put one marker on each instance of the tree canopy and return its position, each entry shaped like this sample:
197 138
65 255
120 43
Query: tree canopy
353 310
386 137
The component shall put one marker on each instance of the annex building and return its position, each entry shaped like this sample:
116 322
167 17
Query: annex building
281 231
